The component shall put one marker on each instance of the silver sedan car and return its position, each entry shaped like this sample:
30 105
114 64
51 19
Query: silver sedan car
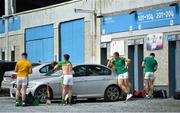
90 81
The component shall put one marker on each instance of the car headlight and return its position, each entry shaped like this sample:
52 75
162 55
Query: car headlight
31 85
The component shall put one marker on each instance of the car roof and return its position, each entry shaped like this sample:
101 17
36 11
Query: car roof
74 65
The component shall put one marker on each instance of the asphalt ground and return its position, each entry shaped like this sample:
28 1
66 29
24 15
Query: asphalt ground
7 104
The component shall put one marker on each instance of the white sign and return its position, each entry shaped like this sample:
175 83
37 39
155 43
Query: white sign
106 38
117 46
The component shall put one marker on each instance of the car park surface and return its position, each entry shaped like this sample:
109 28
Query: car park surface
135 105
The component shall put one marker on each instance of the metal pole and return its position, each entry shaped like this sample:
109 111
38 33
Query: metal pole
6 28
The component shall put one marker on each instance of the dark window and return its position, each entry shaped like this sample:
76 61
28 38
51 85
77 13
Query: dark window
97 70
79 71
45 69
3 55
12 55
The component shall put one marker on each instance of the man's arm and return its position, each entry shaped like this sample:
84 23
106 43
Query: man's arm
56 67
16 68
143 64
109 64
155 68
127 62
30 69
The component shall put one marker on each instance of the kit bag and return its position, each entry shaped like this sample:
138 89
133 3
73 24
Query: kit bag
160 94
177 95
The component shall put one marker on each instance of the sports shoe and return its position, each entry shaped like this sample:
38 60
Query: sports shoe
128 96
147 97
18 102
62 101
23 104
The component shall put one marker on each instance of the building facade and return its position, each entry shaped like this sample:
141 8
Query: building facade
91 30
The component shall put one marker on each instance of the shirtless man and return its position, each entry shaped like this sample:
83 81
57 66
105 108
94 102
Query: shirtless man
67 79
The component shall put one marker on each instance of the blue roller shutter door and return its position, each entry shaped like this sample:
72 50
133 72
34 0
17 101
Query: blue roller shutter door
72 40
40 43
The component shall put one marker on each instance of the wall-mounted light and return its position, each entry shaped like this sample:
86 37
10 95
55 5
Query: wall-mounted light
83 11
173 4
100 16
132 12
176 6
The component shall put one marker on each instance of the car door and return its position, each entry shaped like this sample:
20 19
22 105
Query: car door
80 88
97 80
55 82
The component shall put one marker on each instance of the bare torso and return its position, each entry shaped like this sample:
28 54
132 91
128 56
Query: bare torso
67 70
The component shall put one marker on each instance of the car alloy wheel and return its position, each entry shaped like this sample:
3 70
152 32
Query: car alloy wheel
41 94
112 93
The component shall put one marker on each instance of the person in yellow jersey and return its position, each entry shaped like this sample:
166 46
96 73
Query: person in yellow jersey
23 68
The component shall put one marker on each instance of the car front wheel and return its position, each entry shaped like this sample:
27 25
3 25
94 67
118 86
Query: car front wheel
41 94
112 93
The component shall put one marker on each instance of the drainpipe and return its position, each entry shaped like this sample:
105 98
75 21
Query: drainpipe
7 2
9 10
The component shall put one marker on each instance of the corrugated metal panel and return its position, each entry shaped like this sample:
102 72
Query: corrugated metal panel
72 40
40 32
40 43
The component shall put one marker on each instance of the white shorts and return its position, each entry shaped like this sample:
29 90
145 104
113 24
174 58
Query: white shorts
68 80
123 76
149 75
22 81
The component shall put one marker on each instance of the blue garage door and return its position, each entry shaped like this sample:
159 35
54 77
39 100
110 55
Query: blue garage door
40 43
72 40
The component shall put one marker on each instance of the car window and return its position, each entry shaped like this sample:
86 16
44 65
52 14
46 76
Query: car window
79 71
45 69
97 71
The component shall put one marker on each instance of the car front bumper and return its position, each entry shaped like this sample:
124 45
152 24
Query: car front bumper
13 91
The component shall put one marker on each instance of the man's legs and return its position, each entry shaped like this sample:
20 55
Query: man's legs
23 93
70 93
146 81
127 85
121 85
63 93
151 87
18 94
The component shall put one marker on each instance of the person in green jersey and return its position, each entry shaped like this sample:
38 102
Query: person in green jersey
121 66
150 65
67 79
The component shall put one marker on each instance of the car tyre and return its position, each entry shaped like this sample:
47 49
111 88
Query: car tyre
112 93
92 99
41 94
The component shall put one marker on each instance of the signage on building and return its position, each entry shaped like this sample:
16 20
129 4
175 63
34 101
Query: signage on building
147 19
135 41
165 16
117 46
103 45
155 41
106 38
